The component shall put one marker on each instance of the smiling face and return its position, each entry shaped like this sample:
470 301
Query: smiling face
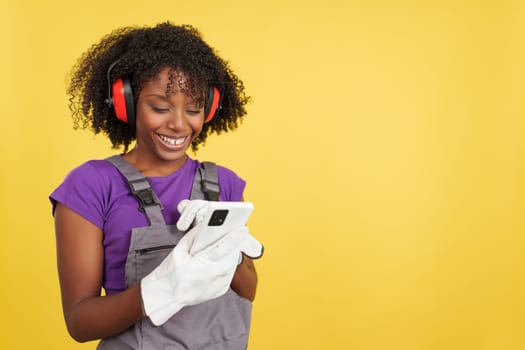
167 122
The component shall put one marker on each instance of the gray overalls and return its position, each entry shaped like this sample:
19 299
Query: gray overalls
218 324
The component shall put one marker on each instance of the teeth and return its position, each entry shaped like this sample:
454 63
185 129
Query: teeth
172 141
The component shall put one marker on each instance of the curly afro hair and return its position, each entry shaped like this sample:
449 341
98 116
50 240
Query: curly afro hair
142 53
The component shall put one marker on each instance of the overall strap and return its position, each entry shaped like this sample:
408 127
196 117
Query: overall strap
206 183
141 189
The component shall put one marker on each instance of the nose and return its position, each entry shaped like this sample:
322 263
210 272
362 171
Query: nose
177 119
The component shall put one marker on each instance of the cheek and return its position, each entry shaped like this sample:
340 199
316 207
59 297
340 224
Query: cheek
196 124
146 120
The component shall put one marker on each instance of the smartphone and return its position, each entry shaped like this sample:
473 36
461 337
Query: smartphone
221 218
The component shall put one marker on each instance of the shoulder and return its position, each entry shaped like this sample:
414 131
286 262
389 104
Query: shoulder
87 189
232 185
227 174
93 173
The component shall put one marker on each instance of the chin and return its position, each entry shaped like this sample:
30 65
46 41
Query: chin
172 156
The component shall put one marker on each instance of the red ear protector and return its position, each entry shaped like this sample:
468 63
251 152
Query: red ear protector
213 103
120 97
123 101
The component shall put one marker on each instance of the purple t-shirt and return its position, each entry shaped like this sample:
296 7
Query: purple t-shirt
98 192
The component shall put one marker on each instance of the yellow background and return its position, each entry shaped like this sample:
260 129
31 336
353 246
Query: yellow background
384 151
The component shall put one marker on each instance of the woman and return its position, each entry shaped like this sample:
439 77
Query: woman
166 89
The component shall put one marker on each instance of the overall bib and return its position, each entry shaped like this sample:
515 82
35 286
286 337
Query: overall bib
219 324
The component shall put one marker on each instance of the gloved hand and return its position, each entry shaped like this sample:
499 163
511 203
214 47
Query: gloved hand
182 280
191 212
248 245
194 211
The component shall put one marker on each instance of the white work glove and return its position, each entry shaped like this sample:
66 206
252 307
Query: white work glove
249 245
194 211
191 212
182 280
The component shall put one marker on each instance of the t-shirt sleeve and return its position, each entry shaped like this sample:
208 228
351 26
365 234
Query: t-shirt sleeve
232 186
83 192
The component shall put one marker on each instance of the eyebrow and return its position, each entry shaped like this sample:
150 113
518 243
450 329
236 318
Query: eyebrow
158 95
165 98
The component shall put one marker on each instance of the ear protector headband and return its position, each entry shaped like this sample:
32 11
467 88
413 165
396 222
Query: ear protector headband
120 97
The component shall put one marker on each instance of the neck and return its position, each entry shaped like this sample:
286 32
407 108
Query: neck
153 166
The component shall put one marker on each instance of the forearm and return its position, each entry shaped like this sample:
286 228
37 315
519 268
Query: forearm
104 316
244 281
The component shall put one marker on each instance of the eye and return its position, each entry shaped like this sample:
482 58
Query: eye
193 111
160 110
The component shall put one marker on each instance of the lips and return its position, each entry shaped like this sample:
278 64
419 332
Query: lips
172 141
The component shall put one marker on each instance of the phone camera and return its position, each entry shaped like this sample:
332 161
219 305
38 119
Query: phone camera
218 217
